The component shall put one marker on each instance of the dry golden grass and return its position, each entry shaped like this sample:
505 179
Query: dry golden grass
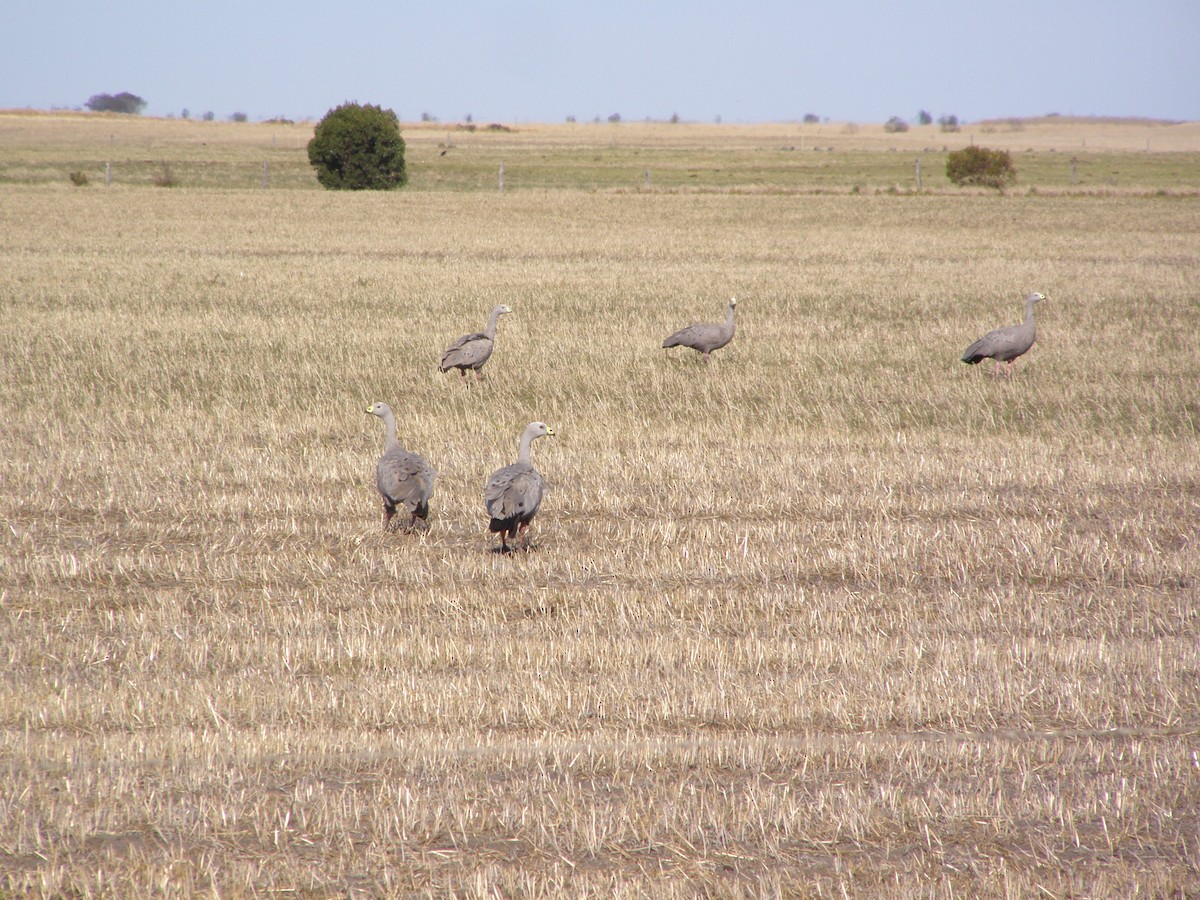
837 615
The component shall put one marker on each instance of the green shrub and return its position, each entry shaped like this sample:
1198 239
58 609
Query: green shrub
79 179
358 147
981 166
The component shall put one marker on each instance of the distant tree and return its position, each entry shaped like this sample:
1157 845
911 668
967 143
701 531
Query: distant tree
238 117
981 166
428 117
924 118
186 114
358 147
614 118
811 118
895 124
123 102
209 116
674 118
948 123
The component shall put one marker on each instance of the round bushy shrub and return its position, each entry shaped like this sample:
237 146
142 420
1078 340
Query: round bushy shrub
358 147
979 165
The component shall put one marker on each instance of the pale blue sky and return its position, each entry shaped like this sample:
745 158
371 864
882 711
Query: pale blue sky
524 61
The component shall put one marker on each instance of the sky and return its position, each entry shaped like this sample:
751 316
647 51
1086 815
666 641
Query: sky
527 61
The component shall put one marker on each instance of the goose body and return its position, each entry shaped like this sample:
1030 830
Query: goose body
471 351
513 493
404 479
1004 345
706 337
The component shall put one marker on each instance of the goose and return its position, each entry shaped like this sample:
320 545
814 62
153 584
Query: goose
403 478
513 493
707 337
471 351
1004 345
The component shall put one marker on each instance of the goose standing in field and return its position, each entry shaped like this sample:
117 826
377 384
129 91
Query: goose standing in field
513 493
1004 345
403 478
471 351
707 337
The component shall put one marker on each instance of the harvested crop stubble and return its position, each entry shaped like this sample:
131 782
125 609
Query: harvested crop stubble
830 615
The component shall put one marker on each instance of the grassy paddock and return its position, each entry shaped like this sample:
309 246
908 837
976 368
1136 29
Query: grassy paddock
835 615
1110 157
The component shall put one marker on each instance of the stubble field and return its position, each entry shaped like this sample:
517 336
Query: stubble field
836 615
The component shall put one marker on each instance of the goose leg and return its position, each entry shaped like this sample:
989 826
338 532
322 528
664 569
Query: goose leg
388 512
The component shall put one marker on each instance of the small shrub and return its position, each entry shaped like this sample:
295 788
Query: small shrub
238 117
948 123
165 177
895 125
811 118
79 179
981 166
924 118
358 147
209 116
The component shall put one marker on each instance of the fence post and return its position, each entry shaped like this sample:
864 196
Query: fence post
918 174
646 178
266 178
1074 163
108 174
502 178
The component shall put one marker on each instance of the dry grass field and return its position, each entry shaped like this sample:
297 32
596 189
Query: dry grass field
833 616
